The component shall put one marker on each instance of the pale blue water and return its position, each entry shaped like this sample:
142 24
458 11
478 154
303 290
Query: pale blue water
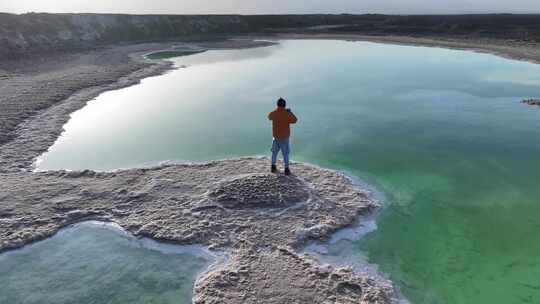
93 264
440 132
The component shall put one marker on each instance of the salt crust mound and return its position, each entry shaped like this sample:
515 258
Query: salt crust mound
259 191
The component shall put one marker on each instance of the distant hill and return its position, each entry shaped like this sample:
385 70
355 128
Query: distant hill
26 34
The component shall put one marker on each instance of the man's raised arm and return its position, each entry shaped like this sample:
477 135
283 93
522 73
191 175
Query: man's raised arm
292 118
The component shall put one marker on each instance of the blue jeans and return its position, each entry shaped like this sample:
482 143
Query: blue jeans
283 145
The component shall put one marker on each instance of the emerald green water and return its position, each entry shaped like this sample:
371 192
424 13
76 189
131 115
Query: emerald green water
93 264
440 132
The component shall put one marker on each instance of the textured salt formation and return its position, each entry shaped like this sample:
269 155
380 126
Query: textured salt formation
233 205
278 275
259 191
166 203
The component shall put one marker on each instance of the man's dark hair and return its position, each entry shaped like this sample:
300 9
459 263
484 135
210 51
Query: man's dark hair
281 102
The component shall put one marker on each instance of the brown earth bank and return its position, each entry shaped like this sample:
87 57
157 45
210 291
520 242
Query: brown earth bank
33 33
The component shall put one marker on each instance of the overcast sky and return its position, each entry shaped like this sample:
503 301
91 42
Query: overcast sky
271 6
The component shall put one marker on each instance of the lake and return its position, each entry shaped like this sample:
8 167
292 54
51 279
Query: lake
440 132
98 263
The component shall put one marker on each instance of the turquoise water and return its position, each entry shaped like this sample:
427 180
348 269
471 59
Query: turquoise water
92 264
440 132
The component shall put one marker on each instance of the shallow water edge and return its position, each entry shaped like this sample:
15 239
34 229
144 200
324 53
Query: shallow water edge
85 257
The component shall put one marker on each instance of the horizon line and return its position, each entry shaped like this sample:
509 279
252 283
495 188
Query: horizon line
274 14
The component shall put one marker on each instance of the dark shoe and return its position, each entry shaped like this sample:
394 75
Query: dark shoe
287 171
273 169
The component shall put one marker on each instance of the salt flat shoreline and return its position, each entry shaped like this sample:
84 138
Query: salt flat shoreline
37 204
263 220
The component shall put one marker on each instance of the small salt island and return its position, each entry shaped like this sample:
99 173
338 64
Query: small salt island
532 101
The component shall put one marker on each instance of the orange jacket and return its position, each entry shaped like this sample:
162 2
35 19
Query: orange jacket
281 119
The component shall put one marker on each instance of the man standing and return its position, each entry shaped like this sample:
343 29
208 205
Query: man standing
281 119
